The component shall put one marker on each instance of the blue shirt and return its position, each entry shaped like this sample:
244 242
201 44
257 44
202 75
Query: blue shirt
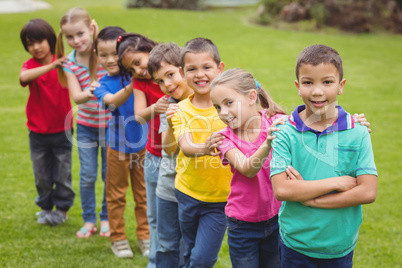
123 134
342 149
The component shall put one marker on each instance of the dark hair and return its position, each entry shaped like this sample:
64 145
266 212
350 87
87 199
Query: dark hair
37 30
109 33
243 82
132 42
200 45
317 54
168 53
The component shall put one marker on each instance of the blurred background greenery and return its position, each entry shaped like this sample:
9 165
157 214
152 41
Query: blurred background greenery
372 67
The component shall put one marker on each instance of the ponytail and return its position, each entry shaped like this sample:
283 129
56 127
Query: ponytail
268 103
59 54
93 59
124 74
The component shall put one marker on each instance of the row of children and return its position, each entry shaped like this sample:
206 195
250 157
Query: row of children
322 165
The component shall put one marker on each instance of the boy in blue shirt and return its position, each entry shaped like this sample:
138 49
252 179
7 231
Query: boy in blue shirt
126 141
322 167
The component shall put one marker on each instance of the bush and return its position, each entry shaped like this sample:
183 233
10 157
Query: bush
356 16
169 4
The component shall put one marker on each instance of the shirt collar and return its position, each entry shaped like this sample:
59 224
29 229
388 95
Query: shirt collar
173 100
343 122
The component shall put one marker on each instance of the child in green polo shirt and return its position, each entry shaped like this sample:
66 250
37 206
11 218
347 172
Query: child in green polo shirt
322 167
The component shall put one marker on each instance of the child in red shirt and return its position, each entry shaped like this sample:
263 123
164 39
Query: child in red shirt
49 122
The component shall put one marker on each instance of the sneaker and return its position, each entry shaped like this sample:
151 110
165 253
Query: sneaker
56 217
144 246
42 216
122 249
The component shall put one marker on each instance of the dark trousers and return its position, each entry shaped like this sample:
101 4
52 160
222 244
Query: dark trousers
51 163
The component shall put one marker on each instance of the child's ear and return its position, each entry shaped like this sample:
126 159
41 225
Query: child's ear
297 86
253 96
221 67
181 72
342 85
92 29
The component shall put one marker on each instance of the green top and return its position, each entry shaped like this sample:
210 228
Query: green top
342 149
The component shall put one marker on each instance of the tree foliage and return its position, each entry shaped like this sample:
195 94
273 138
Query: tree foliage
349 15
168 4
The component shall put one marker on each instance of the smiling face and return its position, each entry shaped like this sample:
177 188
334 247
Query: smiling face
200 70
235 109
136 63
108 56
319 86
171 82
78 36
40 50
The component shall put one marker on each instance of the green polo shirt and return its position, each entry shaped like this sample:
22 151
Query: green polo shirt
342 149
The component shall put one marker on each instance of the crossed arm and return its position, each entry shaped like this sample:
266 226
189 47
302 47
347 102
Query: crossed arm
290 186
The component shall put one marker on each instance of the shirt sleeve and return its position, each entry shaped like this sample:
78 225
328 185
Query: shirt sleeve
163 126
365 163
66 68
226 145
100 92
180 126
25 67
281 156
139 85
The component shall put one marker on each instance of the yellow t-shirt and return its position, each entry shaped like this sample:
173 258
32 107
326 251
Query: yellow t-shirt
203 178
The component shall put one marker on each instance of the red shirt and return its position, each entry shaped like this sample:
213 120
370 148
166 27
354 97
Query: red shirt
48 108
153 93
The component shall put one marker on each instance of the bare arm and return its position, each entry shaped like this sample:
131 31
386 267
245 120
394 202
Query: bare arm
191 149
120 97
31 74
77 94
299 190
144 114
169 144
141 111
250 166
364 193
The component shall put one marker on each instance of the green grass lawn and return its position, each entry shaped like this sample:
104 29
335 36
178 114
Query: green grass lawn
372 66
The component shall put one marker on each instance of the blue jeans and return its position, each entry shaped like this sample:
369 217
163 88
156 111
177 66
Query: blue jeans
293 259
171 247
89 140
253 244
51 163
151 174
203 227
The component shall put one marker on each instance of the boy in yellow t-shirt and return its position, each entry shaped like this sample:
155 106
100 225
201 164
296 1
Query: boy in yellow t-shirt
202 182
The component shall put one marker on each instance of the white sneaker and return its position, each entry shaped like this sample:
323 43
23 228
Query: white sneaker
56 217
122 249
144 246
42 216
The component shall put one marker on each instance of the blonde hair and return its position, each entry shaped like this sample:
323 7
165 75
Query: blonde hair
243 82
74 15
